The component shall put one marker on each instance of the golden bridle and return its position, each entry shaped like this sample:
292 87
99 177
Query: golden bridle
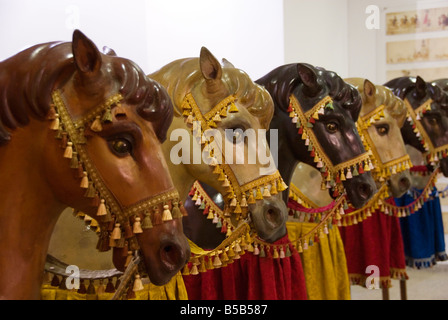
237 196
382 170
120 224
332 174
414 117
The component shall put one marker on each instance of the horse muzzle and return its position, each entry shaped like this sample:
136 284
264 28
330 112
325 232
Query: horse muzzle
269 217
400 183
360 189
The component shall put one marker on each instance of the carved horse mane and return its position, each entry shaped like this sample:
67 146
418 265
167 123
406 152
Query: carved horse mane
43 67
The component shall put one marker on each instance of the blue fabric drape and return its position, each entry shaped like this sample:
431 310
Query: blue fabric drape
422 231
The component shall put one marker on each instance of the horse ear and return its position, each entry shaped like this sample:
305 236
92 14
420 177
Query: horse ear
108 51
86 55
420 87
309 79
227 64
210 67
369 89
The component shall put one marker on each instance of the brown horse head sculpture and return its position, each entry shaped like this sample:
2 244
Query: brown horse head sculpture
380 120
426 128
83 129
315 115
225 102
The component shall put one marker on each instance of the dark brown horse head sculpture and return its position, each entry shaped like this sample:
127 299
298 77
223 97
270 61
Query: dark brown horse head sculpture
315 115
84 129
426 128
224 100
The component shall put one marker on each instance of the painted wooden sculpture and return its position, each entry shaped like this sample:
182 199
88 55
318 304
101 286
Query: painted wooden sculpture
426 135
83 129
379 123
206 96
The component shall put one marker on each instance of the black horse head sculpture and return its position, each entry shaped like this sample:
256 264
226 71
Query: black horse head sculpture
426 128
315 115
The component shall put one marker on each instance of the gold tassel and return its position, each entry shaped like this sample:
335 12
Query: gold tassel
217 118
84 181
251 199
237 209
281 185
233 202
342 175
68 153
258 195
101 209
138 284
185 270
137 227
96 125
147 224
128 259
223 112
244 201
116 233
194 270
55 123
266 193
274 188
166 216
176 213
217 262
275 255
233 108
74 163
107 116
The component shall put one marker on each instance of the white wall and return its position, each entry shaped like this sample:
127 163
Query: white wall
248 33
316 33
152 33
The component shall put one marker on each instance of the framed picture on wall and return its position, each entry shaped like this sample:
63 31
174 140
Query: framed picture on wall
415 40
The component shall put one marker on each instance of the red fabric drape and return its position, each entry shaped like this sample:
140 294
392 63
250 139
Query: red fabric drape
375 241
251 278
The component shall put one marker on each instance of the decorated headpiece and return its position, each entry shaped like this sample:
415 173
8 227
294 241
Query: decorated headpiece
432 154
332 175
122 223
238 197
382 170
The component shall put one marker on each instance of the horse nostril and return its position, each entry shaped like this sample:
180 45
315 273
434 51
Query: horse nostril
404 183
171 255
365 190
271 215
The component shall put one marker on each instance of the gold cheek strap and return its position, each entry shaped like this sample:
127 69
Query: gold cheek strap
237 197
432 154
119 224
332 175
382 170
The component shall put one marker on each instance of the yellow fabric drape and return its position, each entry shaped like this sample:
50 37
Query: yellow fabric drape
324 263
173 290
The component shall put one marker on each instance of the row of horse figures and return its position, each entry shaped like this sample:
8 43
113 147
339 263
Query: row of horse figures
89 130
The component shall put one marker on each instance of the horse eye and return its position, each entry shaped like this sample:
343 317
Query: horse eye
432 120
121 147
332 127
235 135
382 129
